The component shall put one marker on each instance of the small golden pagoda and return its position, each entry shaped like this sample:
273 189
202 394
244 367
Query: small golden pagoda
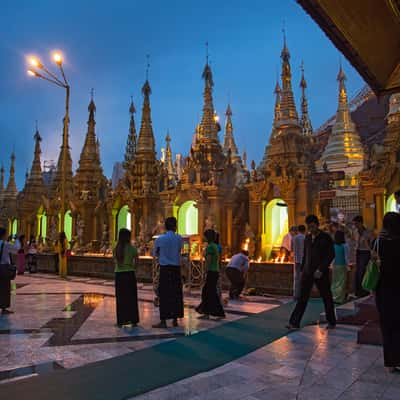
344 151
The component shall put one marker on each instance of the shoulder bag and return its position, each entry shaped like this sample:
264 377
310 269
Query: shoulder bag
7 271
373 271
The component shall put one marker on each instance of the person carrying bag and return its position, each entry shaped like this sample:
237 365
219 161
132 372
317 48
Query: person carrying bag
372 274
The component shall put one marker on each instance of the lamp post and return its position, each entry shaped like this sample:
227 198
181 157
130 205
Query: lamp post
45 74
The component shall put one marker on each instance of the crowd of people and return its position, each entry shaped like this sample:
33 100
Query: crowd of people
322 256
329 248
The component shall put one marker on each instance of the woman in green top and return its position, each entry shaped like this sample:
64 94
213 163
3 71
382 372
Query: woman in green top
210 299
125 256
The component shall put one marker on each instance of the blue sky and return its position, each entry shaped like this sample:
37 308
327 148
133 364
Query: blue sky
105 44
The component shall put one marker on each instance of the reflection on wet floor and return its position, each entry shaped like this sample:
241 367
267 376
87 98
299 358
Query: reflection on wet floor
72 323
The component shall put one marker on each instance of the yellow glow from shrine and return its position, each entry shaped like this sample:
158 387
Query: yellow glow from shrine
57 57
188 219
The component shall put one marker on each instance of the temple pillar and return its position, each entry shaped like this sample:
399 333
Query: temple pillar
291 203
379 209
301 203
113 225
229 227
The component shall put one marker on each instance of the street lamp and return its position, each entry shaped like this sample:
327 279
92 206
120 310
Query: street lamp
45 74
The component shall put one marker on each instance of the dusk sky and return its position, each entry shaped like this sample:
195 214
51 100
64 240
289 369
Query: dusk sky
105 45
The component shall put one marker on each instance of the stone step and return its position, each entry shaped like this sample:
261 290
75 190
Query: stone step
370 333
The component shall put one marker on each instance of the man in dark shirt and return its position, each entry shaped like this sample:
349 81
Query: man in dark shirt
318 255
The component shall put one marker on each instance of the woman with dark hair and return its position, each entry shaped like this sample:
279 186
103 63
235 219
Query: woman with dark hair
339 271
61 250
210 298
125 256
388 290
21 255
6 249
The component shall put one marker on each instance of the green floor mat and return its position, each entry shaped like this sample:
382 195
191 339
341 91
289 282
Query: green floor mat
141 371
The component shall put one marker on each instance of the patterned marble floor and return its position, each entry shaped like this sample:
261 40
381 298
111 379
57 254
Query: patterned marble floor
311 364
65 324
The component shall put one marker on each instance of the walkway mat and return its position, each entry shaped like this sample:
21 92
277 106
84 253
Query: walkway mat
129 375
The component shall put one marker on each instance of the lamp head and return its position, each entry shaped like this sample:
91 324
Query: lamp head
35 62
57 57
31 73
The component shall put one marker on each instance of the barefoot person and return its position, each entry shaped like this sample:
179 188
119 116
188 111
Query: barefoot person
318 255
125 256
210 298
387 292
236 272
6 249
167 248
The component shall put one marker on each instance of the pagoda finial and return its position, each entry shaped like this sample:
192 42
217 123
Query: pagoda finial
305 121
130 149
288 112
341 77
147 66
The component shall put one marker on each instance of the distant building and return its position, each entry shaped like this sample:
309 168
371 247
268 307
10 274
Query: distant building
117 174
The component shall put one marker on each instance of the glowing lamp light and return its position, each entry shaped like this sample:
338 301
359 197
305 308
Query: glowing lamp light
57 57
216 118
31 73
35 62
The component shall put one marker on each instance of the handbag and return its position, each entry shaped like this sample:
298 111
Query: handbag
373 272
7 271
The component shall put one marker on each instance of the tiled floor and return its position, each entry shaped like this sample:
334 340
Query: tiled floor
312 364
65 324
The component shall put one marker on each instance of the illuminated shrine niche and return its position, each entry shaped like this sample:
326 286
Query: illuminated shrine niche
123 218
68 225
391 204
275 226
42 224
14 226
188 219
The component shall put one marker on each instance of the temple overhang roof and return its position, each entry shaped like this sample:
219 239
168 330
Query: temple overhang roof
367 32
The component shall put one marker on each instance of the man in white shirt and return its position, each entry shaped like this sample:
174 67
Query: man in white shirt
167 248
236 272
286 246
298 252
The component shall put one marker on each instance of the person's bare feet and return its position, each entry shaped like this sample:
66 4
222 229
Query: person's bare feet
160 325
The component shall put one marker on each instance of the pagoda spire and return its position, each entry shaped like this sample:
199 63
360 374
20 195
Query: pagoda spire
68 166
35 177
11 189
208 125
168 157
277 109
288 112
305 121
89 161
344 149
131 142
229 140
146 142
